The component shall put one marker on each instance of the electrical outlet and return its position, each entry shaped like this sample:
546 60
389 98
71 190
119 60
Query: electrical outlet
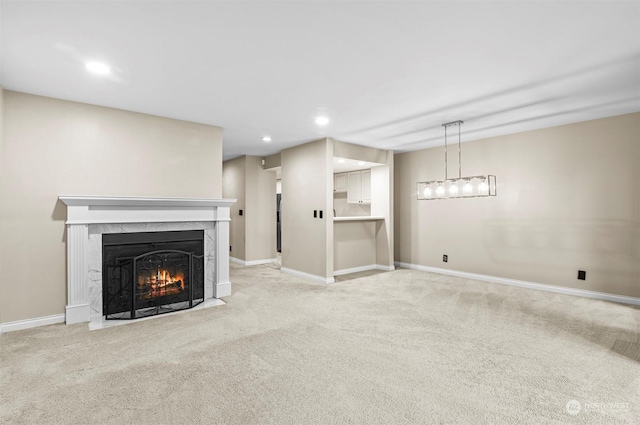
445 258
229 248
582 275
240 212
315 213
320 213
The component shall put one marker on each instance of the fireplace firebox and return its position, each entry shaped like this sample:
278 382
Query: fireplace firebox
151 273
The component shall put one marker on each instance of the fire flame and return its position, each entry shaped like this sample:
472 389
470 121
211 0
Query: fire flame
160 283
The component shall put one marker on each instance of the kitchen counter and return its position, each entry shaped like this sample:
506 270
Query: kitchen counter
358 218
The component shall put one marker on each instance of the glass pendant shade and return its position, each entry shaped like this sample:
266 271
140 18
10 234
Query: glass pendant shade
467 188
473 187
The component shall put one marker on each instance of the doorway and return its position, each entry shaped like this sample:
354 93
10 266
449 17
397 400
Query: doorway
278 224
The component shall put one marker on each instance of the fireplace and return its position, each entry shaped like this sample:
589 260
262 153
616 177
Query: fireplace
150 273
91 217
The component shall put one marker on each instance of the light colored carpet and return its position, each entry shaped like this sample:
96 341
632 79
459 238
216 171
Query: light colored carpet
403 347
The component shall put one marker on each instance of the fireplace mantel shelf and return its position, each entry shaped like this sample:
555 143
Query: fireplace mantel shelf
91 201
104 209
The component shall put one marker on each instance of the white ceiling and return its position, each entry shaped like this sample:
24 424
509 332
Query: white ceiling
388 74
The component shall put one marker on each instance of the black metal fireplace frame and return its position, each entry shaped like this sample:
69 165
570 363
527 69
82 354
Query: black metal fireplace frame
130 264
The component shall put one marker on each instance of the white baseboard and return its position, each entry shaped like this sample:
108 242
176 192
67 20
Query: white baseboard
623 299
310 276
363 269
257 262
31 323
252 262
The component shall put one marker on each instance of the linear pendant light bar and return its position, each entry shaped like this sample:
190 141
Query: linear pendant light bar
458 187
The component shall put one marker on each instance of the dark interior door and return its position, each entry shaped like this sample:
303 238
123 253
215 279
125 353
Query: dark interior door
278 224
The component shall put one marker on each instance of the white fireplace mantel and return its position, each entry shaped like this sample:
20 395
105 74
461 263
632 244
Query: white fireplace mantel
93 215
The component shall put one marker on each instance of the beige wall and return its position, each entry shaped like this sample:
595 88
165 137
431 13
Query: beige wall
307 185
252 235
1 124
382 195
1 192
234 187
354 244
359 152
53 147
261 211
272 161
568 200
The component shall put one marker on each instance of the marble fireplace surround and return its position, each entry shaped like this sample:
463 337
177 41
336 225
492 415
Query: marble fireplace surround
88 217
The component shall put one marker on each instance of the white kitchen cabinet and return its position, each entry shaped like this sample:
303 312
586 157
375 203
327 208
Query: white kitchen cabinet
359 187
340 182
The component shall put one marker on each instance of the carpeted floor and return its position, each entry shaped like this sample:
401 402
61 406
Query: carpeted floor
402 347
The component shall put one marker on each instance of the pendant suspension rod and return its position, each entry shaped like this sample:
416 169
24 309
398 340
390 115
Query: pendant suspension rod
459 156
445 154
445 125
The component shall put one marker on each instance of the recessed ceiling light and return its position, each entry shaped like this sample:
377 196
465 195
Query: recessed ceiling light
98 68
266 139
322 120
360 162
341 161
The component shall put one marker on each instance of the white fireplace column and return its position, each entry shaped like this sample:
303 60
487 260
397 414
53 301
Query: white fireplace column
124 215
77 274
222 287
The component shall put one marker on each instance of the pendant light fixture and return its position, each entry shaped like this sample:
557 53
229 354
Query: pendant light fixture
458 187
